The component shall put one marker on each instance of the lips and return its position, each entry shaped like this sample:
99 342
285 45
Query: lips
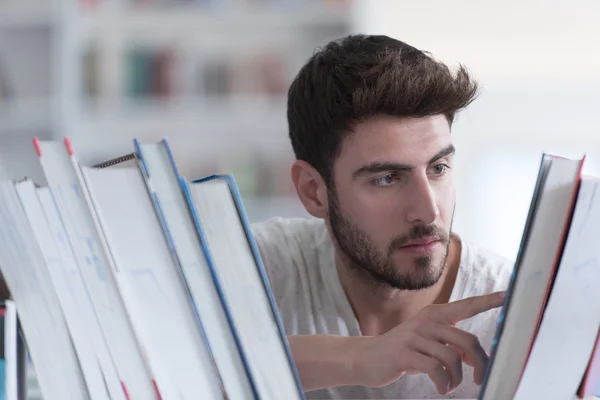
422 242
422 247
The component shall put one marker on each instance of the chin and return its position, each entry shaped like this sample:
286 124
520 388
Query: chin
425 269
429 260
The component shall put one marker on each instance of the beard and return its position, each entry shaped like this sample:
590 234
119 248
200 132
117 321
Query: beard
378 268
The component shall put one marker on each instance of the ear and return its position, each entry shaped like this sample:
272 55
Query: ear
310 187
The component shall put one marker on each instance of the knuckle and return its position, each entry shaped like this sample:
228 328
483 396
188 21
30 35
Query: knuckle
411 337
473 340
435 367
456 359
439 369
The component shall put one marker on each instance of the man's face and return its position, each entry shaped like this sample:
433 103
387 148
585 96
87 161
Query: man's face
392 202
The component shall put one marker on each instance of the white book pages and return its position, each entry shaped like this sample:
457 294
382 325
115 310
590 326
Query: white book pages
11 361
528 295
244 290
22 267
86 315
102 282
569 328
167 322
162 179
54 263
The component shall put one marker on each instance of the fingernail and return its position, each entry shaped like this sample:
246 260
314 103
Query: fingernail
501 294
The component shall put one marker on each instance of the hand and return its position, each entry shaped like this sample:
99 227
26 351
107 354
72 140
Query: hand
428 343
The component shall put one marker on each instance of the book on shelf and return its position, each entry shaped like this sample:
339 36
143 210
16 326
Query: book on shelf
151 283
153 286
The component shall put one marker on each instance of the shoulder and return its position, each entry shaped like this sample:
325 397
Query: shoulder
483 270
289 245
277 235
279 229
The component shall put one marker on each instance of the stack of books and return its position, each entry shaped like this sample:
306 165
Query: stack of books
133 282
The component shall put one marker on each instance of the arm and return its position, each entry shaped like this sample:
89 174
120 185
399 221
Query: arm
427 343
325 360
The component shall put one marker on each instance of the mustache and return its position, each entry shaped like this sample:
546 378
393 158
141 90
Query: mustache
419 232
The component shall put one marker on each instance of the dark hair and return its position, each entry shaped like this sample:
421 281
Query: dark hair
360 76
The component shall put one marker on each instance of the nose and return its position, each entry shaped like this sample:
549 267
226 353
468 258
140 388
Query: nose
422 206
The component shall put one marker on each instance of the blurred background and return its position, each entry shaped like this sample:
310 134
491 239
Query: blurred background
212 76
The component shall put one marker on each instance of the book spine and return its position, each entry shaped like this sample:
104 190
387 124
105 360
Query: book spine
259 264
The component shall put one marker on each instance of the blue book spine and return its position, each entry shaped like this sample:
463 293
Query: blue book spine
2 379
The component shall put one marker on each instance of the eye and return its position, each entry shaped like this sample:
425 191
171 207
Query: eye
385 180
440 169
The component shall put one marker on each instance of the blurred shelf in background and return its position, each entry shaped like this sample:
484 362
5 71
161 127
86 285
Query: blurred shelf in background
148 22
210 75
262 209
26 14
26 115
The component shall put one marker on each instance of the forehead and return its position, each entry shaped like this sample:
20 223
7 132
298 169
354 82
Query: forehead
404 140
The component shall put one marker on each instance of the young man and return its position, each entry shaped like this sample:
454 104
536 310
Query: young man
379 297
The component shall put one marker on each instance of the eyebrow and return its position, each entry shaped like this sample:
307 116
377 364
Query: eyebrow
382 166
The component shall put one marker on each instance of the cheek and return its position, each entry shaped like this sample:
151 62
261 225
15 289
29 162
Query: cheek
376 213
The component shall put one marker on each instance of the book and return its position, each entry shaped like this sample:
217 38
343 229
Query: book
569 327
59 280
13 361
121 355
551 314
157 304
217 205
25 272
590 384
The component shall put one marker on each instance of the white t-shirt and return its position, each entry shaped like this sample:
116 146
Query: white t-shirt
298 256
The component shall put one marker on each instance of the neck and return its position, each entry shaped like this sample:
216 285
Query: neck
379 308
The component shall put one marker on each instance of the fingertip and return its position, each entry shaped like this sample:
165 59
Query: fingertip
443 390
478 378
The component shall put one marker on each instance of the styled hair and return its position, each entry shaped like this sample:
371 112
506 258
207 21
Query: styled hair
360 76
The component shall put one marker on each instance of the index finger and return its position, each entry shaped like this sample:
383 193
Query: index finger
469 307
